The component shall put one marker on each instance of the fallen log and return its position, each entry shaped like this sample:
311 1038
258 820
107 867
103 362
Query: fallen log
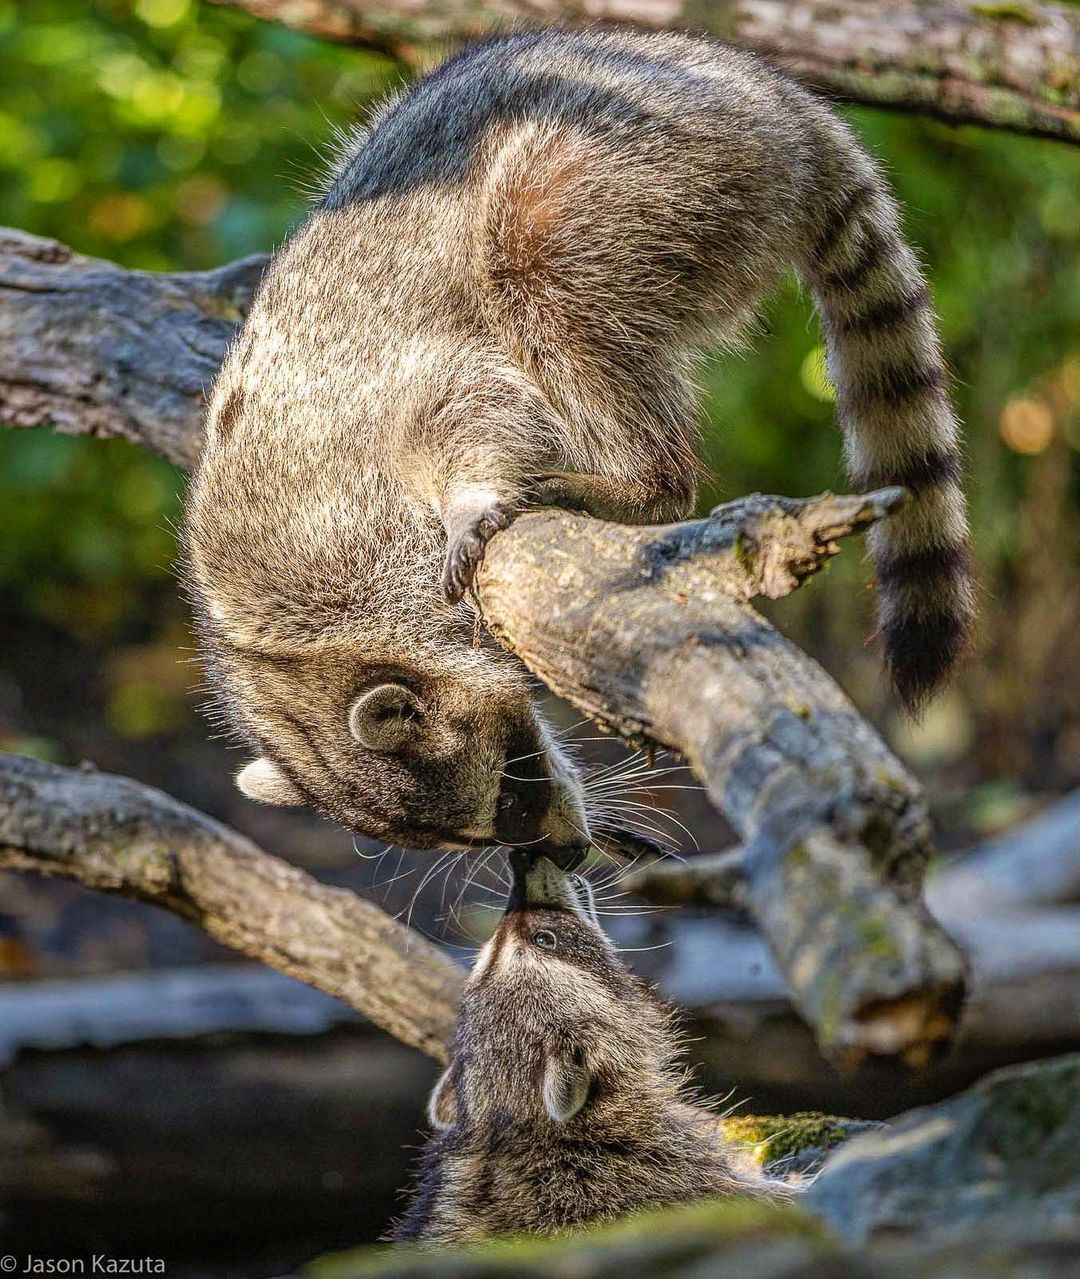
621 621
1037 865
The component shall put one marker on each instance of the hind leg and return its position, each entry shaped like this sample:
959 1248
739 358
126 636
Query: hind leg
475 515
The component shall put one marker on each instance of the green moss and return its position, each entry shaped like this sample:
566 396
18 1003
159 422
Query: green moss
671 1235
744 552
780 1136
1010 12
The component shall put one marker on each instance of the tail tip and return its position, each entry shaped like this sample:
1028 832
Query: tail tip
921 654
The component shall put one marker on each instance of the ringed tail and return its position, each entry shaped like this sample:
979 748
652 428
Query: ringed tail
894 408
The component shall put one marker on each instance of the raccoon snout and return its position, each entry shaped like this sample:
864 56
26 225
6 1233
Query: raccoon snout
542 815
520 810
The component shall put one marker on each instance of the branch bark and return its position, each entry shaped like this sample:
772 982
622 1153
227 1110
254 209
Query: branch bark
92 349
1010 66
118 836
621 621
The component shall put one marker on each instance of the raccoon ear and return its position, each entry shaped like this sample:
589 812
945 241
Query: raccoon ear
264 781
442 1104
566 1087
384 718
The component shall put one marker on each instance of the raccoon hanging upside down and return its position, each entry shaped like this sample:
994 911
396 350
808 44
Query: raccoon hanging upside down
564 1102
499 303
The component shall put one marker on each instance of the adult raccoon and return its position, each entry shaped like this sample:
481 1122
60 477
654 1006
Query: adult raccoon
499 302
564 1101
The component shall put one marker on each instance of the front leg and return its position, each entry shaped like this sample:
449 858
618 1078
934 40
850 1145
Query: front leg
474 514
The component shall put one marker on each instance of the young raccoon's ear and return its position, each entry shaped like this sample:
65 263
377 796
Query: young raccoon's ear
264 781
566 1086
442 1104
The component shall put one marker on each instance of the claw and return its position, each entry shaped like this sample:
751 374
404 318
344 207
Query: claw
466 553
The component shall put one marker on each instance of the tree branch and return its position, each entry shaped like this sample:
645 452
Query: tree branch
1035 866
1010 66
92 349
622 621
118 836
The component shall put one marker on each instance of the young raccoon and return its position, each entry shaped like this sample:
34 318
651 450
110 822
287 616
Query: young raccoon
564 1100
499 303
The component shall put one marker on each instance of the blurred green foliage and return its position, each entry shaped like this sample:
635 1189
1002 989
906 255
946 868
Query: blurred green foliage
160 134
174 134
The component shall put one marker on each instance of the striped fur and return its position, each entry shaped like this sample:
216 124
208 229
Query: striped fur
893 404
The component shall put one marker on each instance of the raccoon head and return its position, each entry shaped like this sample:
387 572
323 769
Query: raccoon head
416 754
332 652
551 1021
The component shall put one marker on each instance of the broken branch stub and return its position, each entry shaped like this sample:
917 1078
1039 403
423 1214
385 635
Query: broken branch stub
648 631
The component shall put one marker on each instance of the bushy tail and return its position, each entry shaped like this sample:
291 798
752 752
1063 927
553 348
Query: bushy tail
893 403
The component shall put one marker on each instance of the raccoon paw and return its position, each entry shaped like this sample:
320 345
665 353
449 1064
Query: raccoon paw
465 553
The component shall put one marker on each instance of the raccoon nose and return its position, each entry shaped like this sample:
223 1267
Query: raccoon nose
567 857
520 809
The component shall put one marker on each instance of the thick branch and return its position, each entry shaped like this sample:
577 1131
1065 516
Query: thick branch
88 347
118 836
1012 66
645 629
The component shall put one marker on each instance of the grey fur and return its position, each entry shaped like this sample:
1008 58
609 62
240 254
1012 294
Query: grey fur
500 301
564 1102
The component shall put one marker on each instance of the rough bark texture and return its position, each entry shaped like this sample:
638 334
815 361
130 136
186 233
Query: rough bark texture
88 347
625 622
116 835
622 621
1011 65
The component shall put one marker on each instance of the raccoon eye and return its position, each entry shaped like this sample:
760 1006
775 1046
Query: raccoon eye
544 939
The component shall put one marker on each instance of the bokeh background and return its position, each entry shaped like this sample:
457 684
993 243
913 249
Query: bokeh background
172 134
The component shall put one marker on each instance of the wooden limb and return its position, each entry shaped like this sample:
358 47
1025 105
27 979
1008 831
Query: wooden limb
1035 866
90 348
622 622
1010 66
118 836
709 879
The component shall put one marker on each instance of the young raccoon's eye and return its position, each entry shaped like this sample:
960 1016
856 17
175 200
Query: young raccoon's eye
544 939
